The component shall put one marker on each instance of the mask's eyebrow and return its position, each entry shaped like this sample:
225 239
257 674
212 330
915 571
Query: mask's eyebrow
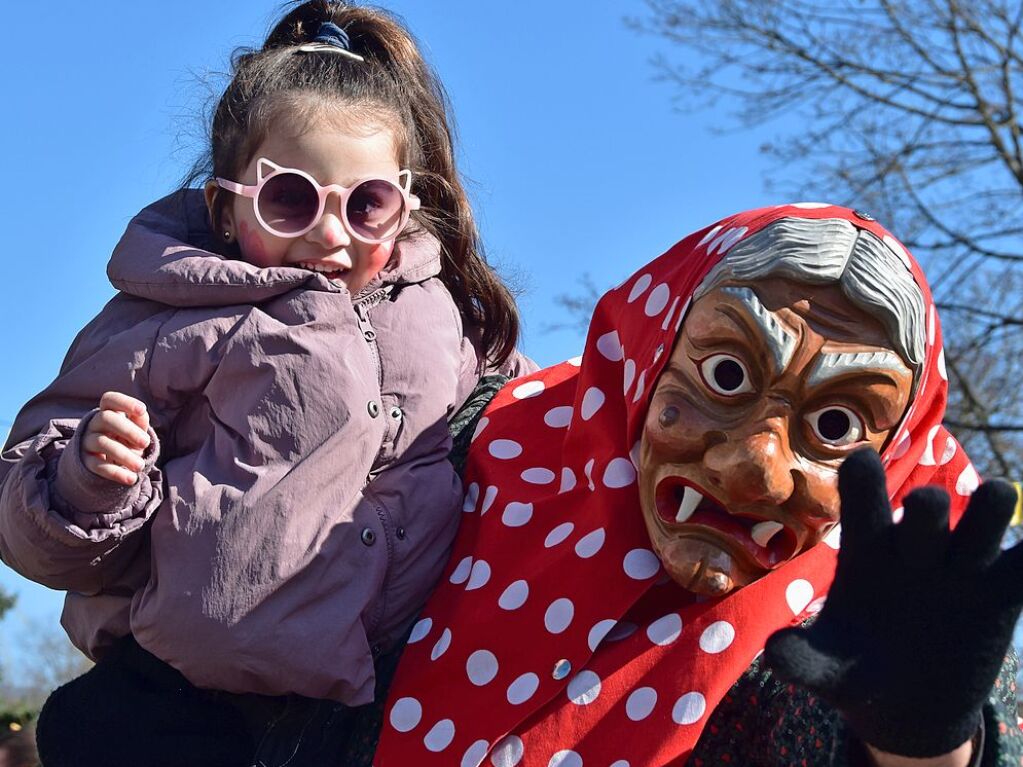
837 364
780 341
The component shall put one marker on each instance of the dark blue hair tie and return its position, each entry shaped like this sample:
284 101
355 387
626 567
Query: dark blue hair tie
330 33
330 38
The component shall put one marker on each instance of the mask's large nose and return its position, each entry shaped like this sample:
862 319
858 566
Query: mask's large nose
755 467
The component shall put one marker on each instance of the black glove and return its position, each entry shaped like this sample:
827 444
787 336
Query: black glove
919 618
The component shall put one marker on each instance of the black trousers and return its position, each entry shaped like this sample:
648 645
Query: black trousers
133 710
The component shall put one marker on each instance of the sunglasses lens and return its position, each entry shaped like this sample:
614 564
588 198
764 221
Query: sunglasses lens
288 202
376 209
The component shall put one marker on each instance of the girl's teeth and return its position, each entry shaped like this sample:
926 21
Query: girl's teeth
690 500
763 532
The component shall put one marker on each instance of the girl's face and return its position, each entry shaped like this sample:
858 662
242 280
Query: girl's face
333 151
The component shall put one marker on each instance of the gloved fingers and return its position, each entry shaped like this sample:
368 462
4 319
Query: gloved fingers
863 490
976 541
1005 578
922 535
796 656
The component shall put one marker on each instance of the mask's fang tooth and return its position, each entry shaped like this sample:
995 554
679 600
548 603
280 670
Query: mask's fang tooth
763 532
690 500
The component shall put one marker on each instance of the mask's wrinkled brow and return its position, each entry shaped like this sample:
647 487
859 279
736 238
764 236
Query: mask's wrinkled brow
780 341
837 364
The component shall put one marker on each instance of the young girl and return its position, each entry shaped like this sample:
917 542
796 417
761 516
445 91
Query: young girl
240 473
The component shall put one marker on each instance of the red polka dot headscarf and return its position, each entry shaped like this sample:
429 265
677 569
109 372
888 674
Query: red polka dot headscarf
555 637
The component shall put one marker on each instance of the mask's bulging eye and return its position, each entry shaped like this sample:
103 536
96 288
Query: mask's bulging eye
836 425
724 374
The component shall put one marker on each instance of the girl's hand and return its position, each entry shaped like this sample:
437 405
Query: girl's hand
116 438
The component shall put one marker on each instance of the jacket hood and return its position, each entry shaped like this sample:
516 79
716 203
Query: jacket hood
166 255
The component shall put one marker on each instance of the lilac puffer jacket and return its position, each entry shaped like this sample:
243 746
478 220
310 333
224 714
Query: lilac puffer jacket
298 505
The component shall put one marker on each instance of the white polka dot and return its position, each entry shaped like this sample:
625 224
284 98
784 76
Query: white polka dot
640 287
897 249
488 499
628 375
710 235
927 459
689 709
462 570
610 347
731 239
619 473
475 754
967 481
588 471
670 314
483 423
816 605
522 689
538 476
657 300
717 637
406 714
576 361
621 630
440 736
479 576
903 447
810 205
834 537
590 544
641 703
558 417
664 631
718 240
517 514
942 370
640 387
584 688
558 534
472 497
420 630
559 615
949 452
481 668
505 449
598 632
442 645
508 752
621 763
641 564
514 596
634 454
566 759
898 514
592 402
798 594
567 480
528 389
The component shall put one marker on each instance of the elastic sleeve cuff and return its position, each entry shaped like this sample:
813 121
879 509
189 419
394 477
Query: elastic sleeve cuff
90 501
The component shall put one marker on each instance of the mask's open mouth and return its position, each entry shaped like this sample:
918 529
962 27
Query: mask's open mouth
680 502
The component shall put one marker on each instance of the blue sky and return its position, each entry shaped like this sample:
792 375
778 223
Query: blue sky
578 161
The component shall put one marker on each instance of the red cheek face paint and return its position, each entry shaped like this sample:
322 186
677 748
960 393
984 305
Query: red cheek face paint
252 246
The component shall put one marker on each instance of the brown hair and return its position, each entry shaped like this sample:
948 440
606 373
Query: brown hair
394 86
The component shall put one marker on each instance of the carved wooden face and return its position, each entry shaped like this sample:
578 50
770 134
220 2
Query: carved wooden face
768 388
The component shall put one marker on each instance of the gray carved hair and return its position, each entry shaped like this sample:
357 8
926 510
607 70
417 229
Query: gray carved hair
833 251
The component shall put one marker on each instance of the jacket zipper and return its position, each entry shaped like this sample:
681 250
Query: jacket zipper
362 307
